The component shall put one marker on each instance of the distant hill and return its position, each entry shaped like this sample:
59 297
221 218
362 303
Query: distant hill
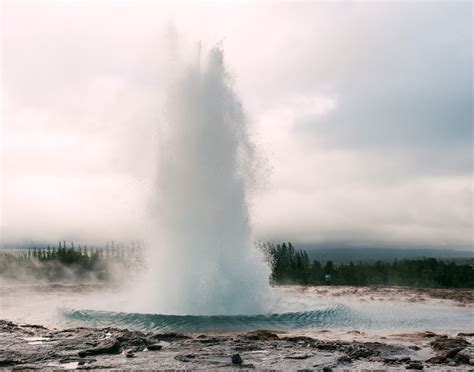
343 253
337 252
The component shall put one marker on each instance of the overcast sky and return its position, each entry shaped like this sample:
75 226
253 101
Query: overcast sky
362 112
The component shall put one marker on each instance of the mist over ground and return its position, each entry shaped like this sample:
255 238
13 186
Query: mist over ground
362 112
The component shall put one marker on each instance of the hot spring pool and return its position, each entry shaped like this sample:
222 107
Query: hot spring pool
293 309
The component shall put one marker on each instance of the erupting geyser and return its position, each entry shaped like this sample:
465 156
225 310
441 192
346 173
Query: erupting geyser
202 257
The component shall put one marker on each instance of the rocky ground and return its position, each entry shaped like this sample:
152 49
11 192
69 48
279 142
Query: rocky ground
461 297
36 347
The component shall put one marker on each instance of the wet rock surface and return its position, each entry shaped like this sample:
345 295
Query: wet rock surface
32 347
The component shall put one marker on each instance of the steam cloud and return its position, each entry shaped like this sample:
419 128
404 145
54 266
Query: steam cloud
202 258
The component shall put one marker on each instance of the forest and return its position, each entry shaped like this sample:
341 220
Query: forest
289 265
71 263
293 266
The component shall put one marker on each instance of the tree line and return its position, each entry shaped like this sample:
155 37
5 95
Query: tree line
288 266
293 266
63 262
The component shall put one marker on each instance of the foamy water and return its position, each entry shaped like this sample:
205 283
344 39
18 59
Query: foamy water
293 309
201 257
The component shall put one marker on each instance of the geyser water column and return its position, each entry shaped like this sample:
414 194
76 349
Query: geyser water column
202 257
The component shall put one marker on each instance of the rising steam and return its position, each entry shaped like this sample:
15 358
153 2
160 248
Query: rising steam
202 258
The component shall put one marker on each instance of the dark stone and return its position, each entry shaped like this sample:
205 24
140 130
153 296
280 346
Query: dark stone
35 326
299 339
428 334
261 334
298 356
8 362
98 367
462 358
107 347
445 343
326 346
185 358
414 347
452 352
134 339
357 351
327 369
247 346
211 340
171 336
236 359
154 347
436 360
414 365
70 359
344 359
130 336
129 354
25 367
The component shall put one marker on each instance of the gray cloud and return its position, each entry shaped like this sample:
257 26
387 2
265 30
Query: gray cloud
408 93
362 110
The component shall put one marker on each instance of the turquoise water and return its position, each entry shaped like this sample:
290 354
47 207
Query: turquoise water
337 316
291 308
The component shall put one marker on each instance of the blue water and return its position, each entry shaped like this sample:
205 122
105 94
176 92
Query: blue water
337 316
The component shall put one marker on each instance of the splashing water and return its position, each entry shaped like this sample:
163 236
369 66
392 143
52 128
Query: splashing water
338 315
202 259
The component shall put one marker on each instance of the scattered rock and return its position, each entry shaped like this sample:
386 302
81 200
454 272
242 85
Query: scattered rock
99 367
452 352
154 347
211 340
427 334
77 344
436 360
463 357
8 362
344 359
236 359
261 334
170 336
414 365
358 351
134 339
36 326
444 343
299 339
298 356
327 346
111 346
185 357
354 332
25 367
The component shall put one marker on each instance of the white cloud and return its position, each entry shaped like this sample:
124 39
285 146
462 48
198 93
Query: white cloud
358 108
